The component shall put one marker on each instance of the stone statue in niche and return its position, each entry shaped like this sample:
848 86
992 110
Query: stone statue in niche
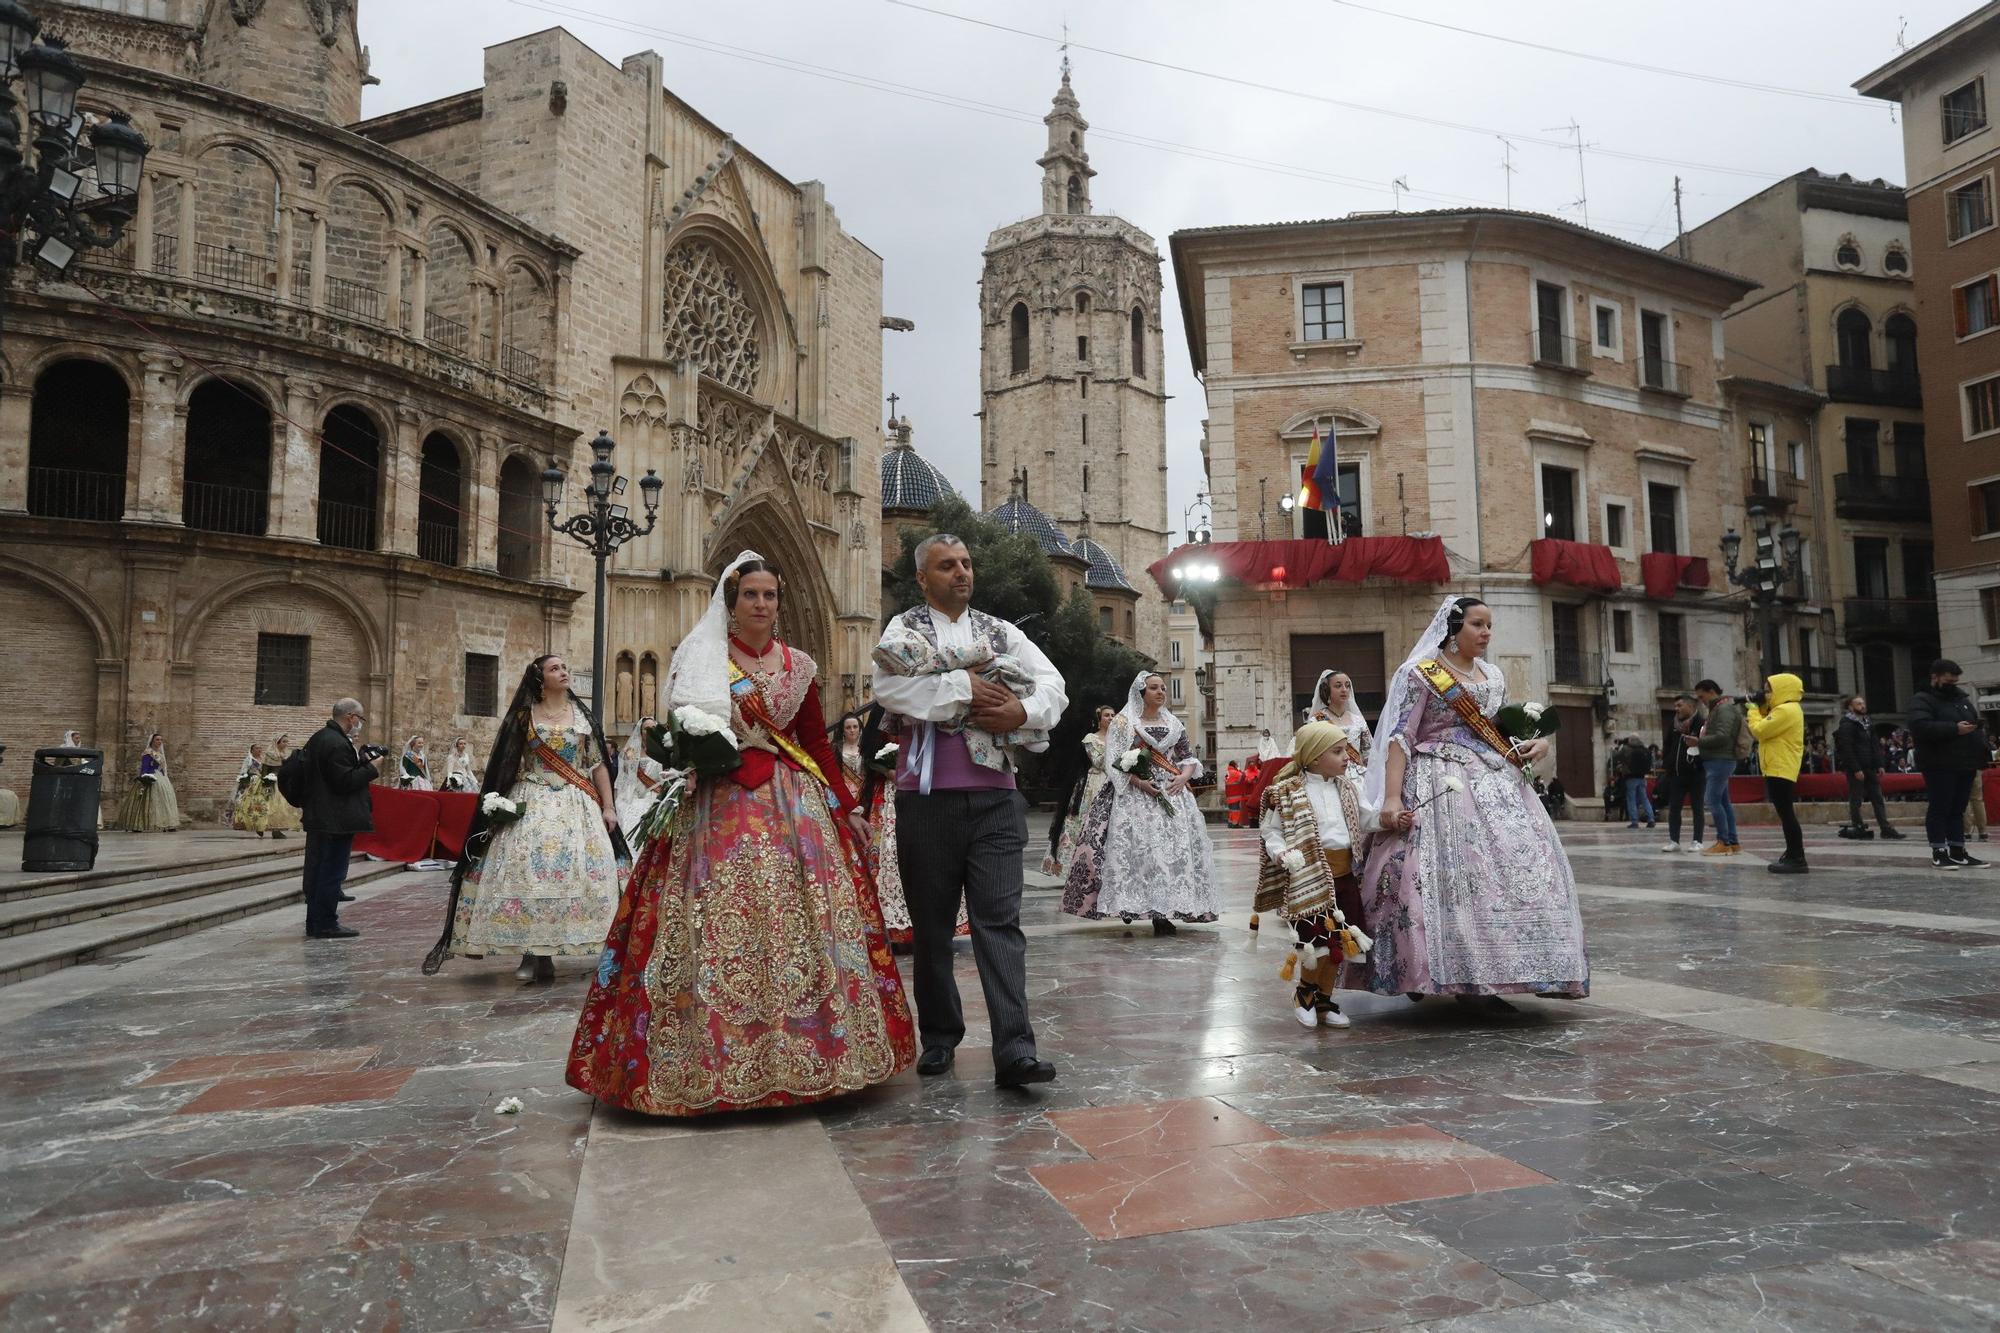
623 695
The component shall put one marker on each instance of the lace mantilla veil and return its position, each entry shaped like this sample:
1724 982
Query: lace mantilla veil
699 676
1428 645
1134 712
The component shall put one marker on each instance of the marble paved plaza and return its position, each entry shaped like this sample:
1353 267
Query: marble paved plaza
1777 1111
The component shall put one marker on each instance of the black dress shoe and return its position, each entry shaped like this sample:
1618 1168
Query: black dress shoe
334 933
934 1060
1023 1071
346 897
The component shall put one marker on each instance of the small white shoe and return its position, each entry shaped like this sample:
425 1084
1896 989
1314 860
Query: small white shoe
1697 847
1307 1018
1333 1018
1671 847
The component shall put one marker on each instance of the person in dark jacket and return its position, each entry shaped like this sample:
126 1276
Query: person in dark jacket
1951 749
338 771
1683 778
1635 761
1858 756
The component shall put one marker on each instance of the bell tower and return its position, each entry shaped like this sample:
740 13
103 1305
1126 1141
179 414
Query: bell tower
302 55
1073 398
1066 169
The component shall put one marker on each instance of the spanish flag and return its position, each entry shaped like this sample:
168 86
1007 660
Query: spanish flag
1309 496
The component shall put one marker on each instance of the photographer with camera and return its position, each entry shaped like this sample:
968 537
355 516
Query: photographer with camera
1779 725
336 807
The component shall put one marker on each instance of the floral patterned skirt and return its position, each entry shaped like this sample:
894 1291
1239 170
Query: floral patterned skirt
150 807
1479 898
252 811
548 883
748 965
1134 859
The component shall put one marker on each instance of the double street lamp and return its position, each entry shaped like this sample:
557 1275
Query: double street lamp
1774 563
44 201
600 528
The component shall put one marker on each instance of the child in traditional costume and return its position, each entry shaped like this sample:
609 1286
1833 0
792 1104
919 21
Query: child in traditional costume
1314 821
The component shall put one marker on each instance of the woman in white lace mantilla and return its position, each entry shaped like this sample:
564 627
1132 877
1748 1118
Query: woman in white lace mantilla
1478 899
1144 850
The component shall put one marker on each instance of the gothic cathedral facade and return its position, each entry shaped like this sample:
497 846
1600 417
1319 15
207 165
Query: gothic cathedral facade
1073 392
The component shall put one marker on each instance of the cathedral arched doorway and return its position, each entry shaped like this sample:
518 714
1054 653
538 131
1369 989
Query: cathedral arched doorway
807 608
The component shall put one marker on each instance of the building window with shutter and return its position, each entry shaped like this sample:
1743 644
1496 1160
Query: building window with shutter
1964 110
1174 688
1989 613
1976 305
1621 631
284 670
1982 407
482 685
1968 208
1985 507
1174 652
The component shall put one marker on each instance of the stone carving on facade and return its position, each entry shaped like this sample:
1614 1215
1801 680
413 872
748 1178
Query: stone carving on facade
707 318
642 401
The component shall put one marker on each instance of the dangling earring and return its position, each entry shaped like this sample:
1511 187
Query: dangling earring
1452 643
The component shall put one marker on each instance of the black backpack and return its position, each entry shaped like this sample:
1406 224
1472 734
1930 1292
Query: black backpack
292 778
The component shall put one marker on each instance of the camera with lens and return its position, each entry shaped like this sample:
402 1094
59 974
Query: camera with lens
1757 698
373 752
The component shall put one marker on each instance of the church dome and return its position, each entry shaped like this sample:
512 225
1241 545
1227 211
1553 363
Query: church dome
1104 572
909 480
1023 519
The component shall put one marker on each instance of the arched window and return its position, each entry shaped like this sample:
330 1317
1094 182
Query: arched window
520 532
226 472
1847 254
1018 330
1896 260
1899 338
1138 342
1851 332
350 471
440 504
1075 194
1083 303
77 439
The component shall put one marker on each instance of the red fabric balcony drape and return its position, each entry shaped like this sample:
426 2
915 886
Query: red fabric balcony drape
1305 562
1579 564
1665 574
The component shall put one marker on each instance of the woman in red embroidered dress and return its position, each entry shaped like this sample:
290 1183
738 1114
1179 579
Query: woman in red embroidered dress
747 965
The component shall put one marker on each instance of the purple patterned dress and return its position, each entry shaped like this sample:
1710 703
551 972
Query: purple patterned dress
1479 898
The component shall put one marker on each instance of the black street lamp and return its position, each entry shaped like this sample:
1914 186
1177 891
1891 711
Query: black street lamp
1774 563
44 202
601 528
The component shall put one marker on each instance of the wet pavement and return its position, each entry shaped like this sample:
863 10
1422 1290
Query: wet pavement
1776 1111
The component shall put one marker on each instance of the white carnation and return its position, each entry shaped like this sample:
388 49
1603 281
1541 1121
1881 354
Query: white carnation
508 1106
698 722
1534 711
886 753
1129 760
494 803
1456 784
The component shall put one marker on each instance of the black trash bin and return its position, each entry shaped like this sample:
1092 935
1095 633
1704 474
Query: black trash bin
63 800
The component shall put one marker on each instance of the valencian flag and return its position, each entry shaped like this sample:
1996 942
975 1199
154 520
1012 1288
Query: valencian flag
1319 479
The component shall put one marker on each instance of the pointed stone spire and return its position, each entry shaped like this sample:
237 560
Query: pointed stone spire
1066 169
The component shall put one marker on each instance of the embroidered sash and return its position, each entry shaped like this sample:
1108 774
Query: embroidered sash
1461 701
750 700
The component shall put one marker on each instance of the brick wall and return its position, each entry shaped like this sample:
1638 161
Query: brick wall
50 689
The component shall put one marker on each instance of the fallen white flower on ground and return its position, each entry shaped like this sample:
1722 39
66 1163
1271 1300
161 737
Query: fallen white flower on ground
508 1106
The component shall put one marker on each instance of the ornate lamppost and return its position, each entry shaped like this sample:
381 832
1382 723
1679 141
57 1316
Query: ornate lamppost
1775 562
44 202
601 528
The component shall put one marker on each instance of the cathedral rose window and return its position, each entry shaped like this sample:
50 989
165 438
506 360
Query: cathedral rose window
707 319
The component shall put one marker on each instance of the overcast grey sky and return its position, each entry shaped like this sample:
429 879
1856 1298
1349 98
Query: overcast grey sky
923 182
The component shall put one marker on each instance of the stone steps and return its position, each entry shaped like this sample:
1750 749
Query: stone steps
243 856
98 920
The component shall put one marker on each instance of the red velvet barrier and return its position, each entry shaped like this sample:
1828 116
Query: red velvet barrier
1833 787
1579 564
1308 561
417 825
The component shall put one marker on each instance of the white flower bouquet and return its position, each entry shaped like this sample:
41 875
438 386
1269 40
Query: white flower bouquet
884 760
498 811
1521 723
698 740
1138 763
271 779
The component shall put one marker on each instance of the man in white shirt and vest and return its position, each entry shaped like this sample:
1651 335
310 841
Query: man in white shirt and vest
962 826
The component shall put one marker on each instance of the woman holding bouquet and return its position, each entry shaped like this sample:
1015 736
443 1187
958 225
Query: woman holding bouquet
1144 849
250 811
416 769
460 773
1477 899
540 873
747 965
149 805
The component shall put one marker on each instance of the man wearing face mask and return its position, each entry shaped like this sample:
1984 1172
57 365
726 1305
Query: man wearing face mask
338 771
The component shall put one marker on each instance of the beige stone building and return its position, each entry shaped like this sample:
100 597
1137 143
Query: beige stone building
1073 403
1186 667
1496 380
285 442
1949 156
1835 314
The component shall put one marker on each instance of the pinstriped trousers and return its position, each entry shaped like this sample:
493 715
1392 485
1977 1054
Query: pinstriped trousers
968 842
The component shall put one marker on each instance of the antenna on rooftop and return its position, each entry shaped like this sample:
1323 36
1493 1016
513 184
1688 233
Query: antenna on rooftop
1575 131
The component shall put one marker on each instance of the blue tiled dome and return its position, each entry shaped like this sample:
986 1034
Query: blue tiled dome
909 481
1104 571
1019 517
